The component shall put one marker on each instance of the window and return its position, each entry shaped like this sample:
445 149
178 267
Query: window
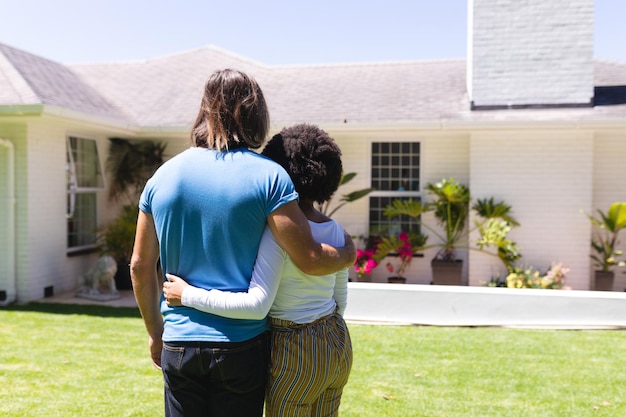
84 178
395 175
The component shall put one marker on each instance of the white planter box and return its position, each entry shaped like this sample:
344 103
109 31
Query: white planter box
440 305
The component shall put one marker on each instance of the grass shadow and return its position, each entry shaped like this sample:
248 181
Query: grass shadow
76 309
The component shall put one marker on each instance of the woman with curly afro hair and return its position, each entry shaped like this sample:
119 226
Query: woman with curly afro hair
311 158
311 353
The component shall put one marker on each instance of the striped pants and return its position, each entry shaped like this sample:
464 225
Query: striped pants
310 366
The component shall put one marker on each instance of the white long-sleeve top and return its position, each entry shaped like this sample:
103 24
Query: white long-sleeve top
279 287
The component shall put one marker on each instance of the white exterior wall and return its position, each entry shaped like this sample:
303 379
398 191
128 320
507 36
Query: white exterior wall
5 225
46 209
609 184
530 52
356 157
16 134
42 256
546 176
443 155
48 260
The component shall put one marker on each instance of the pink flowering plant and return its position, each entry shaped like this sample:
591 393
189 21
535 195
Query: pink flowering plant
365 261
405 244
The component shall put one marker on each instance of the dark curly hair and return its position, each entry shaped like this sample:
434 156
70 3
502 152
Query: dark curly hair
312 159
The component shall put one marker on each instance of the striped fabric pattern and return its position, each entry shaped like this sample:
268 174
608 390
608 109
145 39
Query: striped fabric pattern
310 366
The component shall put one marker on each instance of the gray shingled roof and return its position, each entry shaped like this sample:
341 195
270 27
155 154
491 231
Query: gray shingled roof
166 91
163 91
29 79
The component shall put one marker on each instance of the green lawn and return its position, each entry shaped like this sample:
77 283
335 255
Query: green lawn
59 360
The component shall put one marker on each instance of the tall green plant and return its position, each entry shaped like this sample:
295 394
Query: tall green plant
117 238
346 198
129 165
494 228
605 236
494 232
451 209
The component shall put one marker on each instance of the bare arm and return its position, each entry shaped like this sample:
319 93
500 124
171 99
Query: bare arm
292 232
147 284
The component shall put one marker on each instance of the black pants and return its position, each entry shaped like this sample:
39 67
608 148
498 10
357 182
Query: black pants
215 379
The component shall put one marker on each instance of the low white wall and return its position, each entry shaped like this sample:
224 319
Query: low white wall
483 306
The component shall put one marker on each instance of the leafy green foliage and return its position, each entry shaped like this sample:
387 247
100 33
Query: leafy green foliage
451 208
130 164
346 198
488 208
409 207
118 237
605 240
494 232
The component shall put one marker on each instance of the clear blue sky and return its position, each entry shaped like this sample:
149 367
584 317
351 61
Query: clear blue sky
273 32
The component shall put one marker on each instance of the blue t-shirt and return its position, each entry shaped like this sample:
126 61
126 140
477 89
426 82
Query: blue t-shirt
210 210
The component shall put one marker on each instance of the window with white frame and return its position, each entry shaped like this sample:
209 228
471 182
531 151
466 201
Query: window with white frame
84 179
395 175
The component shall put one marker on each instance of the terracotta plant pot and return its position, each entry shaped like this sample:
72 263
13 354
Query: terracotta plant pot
396 280
447 273
603 280
364 278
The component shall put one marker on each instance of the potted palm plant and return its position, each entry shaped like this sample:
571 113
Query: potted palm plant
451 208
129 165
604 243
116 239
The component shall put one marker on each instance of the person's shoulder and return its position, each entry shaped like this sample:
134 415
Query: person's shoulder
181 156
258 157
265 163
325 222
177 159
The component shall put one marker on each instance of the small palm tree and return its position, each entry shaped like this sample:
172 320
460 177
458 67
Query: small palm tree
130 164
608 226
451 209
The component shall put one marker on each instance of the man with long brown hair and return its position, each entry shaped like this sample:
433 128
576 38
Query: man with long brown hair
203 214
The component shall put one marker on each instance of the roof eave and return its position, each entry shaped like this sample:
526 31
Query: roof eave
21 110
473 125
103 122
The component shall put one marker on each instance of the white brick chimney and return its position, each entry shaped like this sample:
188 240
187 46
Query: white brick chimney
530 53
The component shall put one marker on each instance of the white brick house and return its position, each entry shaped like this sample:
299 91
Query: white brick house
530 118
